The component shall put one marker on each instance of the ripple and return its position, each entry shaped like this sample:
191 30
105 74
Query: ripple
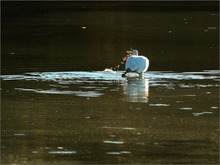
34 152
19 134
123 128
186 108
62 152
111 76
159 105
113 142
63 92
190 95
118 153
201 113
135 90
186 86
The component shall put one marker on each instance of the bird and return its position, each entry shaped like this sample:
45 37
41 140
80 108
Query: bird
136 63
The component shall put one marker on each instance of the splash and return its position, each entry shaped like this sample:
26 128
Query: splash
110 75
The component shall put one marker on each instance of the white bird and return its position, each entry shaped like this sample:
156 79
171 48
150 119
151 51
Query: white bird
136 63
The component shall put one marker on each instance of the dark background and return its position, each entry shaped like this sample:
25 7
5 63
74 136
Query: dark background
48 36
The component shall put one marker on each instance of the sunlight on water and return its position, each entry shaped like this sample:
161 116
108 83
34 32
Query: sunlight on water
159 105
186 108
154 76
62 152
201 113
118 153
19 134
101 113
111 76
54 91
59 105
135 89
113 142
122 128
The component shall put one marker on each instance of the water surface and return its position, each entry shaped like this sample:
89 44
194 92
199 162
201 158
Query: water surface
58 106
100 117
90 36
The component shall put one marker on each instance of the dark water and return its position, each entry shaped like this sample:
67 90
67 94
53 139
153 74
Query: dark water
99 117
55 36
59 106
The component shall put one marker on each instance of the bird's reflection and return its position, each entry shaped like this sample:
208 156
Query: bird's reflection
136 90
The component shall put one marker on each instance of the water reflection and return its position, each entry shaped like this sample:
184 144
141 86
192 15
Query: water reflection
137 90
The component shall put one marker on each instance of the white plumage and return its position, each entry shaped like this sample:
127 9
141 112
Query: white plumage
136 63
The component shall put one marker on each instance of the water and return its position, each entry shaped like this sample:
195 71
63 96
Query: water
59 106
100 117
90 36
